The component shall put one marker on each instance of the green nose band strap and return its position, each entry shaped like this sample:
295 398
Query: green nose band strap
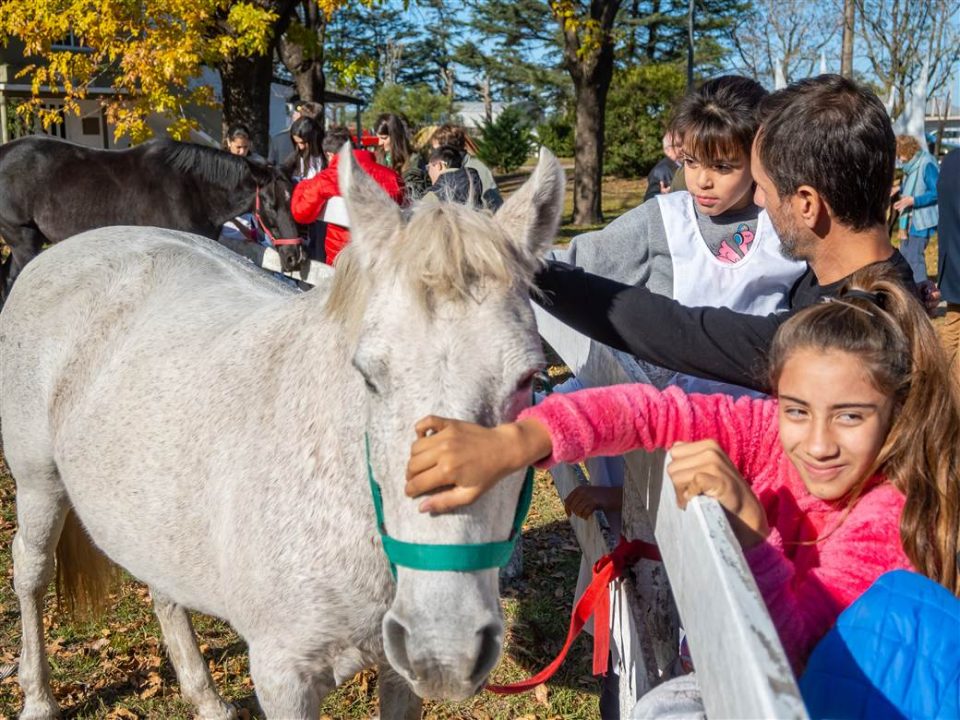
449 558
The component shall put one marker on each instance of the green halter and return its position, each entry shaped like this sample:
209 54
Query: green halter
451 558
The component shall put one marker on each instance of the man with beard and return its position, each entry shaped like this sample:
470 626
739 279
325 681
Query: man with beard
823 165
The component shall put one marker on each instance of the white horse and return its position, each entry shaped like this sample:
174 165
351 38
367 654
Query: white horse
204 426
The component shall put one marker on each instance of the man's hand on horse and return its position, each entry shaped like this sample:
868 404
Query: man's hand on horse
455 462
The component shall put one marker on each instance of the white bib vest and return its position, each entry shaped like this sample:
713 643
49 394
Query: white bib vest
756 284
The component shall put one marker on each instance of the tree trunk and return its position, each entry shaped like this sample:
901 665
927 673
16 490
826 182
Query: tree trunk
245 83
307 66
691 23
591 72
846 55
487 99
246 96
588 153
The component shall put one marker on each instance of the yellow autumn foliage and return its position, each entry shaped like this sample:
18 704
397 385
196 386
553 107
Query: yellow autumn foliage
150 51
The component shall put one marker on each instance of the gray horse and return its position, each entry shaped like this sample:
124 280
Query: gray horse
204 427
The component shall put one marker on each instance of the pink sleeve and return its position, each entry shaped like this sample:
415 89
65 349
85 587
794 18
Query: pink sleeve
619 418
804 603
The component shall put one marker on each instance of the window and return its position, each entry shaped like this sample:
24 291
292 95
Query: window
70 42
90 125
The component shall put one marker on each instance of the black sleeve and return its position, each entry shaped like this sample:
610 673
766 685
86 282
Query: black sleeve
713 343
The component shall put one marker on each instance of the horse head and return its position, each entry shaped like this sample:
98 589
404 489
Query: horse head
272 207
436 308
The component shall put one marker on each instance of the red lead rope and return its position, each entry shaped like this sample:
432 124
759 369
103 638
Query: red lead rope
595 602
276 242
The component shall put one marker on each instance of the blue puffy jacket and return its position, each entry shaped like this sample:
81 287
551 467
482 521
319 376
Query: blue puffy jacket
893 653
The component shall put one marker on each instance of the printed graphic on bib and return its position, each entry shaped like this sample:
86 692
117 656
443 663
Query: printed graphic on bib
741 245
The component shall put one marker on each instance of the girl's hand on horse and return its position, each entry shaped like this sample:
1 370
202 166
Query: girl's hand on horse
456 462
702 468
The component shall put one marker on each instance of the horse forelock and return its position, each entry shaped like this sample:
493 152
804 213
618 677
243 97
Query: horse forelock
445 252
212 165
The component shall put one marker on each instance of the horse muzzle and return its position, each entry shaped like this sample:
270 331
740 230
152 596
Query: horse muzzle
447 647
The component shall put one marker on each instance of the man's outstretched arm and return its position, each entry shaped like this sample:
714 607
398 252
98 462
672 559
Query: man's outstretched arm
713 343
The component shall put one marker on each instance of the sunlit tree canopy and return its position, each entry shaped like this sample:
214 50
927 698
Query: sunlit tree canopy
150 51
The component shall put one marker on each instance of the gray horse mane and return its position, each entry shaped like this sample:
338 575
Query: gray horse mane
446 251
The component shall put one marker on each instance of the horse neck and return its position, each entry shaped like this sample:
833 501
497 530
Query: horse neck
230 200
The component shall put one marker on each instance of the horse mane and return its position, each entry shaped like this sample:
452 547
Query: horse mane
215 166
446 251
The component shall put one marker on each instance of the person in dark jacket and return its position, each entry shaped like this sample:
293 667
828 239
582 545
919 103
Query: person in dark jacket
811 133
451 181
660 179
948 199
455 135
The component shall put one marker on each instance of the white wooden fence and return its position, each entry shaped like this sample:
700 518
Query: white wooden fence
704 581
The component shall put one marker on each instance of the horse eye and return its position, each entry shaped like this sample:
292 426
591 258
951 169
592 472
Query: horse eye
525 383
370 386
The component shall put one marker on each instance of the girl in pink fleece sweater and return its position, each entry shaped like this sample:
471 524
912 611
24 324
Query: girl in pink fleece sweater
820 484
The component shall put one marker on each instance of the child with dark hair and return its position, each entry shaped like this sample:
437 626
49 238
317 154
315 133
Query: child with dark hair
451 181
709 245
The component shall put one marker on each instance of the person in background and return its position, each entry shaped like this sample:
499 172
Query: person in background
238 140
451 181
395 151
948 251
457 137
660 179
281 145
917 204
307 159
242 228
311 196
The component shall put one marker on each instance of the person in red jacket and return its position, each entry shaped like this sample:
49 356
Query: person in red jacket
310 196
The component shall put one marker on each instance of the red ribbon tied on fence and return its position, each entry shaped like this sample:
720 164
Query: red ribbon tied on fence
594 602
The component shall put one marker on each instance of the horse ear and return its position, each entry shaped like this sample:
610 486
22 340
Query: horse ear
531 215
260 169
374 216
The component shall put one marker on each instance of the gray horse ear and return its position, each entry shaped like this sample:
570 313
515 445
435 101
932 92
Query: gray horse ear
374 216
531 216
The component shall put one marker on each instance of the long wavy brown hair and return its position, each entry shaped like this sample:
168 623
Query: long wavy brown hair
878 321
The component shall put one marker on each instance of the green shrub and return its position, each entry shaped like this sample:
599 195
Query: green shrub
507 142
418 103
639 104
557 134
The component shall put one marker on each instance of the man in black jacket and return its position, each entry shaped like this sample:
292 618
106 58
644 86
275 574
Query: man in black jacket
823 164
948 201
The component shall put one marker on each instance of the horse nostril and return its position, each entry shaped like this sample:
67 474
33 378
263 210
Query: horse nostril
395 644
490 641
